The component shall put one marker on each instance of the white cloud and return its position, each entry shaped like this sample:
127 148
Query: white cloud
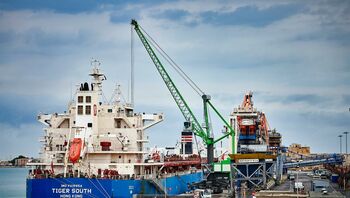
297 55
19 140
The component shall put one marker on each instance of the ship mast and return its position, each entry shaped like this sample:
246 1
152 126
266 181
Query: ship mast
98 77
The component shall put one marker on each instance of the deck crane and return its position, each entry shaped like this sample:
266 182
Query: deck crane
195 126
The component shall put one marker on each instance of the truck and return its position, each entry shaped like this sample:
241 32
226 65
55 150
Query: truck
299 187
202 193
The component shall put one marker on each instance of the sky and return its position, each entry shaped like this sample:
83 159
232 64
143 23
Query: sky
293 55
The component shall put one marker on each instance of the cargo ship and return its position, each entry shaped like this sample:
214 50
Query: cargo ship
252 127
99 149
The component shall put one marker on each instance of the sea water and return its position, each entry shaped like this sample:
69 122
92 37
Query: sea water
13 182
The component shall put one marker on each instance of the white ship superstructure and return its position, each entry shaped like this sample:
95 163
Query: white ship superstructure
111 136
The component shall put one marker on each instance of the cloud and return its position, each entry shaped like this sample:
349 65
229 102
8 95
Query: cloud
319 130
293 55
124 16
337 120
19 140
346 99
65 6
250 15
176 15
17 110
73 6
306 98
15 113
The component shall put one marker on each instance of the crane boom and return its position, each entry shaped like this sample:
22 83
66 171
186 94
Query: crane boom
181 103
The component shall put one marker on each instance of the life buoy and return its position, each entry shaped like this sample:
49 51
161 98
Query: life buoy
75 149
95 110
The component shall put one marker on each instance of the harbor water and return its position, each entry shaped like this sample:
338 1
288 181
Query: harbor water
13 182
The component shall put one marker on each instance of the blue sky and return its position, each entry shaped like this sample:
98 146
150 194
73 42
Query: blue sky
294 56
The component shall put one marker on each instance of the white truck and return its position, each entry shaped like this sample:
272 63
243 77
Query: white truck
299 187
201 193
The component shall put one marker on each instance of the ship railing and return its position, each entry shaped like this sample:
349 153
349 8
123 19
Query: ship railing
96 148
148 176
245 110
163 175
151 176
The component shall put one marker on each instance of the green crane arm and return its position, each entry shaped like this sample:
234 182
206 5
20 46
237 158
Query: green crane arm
180 101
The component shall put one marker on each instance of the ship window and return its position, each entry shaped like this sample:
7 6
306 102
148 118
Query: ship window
80 99
87 109
89 124
80 110
109 110
88 99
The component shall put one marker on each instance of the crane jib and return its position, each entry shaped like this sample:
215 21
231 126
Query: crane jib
187 113
178 98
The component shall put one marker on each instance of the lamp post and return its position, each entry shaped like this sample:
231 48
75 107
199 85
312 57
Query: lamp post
296 184
346 142
340 142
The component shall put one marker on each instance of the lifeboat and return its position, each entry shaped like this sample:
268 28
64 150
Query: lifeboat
75 149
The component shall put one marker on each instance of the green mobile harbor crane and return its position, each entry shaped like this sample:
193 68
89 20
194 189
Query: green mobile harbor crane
203 132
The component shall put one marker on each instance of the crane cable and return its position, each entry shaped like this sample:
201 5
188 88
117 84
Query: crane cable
173 64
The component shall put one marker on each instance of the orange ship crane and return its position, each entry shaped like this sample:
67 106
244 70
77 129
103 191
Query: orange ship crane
265 127
247 101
